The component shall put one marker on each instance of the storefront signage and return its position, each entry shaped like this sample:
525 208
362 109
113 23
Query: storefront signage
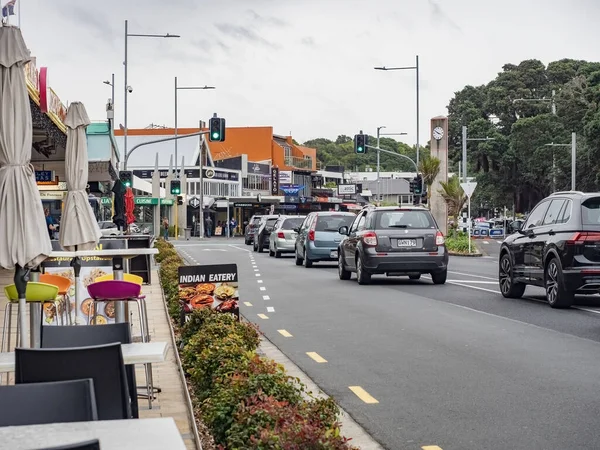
44 175
166 201
285 177
51 182
145 201
258 168
289 207
106 201
346 189
274 181
52 195
244 205
194 202
291 189
209 286
191 173
49 101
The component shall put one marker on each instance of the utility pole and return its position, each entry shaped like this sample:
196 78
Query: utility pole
378 147
465 139
573 146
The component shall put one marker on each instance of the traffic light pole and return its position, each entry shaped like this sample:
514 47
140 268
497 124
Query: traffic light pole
401 156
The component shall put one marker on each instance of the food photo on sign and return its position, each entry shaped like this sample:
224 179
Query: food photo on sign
209 286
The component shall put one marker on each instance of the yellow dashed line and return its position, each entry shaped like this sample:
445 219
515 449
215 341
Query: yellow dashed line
431 447
318 358
247 303
262 316
363 395
284 333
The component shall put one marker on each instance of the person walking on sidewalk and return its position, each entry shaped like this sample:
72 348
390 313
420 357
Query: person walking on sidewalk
166 228
232 227
208 223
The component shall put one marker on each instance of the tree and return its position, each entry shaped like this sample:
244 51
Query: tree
429 168
454 196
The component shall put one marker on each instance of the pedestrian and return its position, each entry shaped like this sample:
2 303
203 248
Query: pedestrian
166 228
232 226
208 224
50 224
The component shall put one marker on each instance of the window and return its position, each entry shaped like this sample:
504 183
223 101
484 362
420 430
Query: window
405 199
257 182
553 211
333 222
566 212
537 215
590 211
404 219
290 224
361 223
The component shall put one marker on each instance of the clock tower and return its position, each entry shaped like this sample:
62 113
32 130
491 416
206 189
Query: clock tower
439 150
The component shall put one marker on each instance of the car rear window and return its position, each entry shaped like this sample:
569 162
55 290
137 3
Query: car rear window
590 211
290 224
333 222
271 222
404 219
256 220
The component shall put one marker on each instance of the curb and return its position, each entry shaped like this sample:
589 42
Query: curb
188 399
465 255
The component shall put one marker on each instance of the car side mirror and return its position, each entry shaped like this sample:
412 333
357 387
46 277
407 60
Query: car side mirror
297 229
343 231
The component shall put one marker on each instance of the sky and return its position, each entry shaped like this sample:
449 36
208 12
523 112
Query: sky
304 67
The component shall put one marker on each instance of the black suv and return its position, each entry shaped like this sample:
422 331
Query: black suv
557 247
262 232
393 241
251 229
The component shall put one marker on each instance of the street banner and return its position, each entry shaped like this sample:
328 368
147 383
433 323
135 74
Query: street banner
209 286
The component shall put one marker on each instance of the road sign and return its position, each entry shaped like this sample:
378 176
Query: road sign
468 187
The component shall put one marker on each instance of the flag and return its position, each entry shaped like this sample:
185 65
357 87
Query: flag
9 8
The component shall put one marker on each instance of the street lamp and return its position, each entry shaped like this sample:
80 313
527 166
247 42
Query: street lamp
177 88
112 85
127 88
378 149
416 68
465 139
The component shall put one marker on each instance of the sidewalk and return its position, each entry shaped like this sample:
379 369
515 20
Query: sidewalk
171 402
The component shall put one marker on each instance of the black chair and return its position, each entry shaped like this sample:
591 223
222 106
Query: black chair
67 336
87 445
102 363
42 403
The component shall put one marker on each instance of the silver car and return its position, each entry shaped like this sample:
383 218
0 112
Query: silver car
283 236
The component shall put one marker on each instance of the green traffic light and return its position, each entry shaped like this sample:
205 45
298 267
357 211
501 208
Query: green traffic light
215 135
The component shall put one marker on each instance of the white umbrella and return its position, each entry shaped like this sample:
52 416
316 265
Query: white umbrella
79 229
24 239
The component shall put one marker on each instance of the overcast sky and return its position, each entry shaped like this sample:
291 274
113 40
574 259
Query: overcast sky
301 66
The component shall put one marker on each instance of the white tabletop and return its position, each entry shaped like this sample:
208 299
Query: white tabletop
137 353
133 434
123 253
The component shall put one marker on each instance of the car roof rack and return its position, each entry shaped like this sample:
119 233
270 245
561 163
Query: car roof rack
567 192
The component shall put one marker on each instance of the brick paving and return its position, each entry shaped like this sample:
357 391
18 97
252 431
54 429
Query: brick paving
171 401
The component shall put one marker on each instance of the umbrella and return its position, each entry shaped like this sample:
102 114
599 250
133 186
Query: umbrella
129 206
119 204
24 239
79 229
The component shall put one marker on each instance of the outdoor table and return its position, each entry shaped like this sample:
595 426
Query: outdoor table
132 434
137 353
117 255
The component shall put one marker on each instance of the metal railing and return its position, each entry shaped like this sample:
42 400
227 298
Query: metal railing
300 163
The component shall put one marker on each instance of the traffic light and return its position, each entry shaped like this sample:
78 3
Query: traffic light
418 185
411 185
360 143
126 177
175 187
216 129
416 200
424 198
180 200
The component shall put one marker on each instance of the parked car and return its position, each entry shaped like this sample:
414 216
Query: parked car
318 237
557 248
283 236
108 228
263 232
394 241
251 229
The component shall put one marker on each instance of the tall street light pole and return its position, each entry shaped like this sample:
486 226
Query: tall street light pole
573 146
127 88
416 69
379 134
466 139
112 85
177 88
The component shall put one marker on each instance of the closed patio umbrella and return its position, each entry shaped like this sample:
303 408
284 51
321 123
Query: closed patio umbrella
24 239
119 204
79 229
129 206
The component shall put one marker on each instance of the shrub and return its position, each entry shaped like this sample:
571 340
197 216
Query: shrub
458 242
165 253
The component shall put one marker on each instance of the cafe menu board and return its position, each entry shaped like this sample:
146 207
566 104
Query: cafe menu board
209 286
91 268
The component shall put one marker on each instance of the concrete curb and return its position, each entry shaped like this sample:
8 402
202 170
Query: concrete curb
465 255
188 399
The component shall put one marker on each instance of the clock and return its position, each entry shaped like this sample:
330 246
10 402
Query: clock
438 133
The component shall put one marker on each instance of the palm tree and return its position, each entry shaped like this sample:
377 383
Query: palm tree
429 168
454 196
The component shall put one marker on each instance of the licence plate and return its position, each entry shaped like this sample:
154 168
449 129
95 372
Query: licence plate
333 254
407 242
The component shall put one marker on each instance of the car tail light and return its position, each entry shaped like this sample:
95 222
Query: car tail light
581 238
280 235
370 238
311 232
439 239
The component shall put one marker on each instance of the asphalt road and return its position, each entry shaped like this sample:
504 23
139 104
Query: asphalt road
455 366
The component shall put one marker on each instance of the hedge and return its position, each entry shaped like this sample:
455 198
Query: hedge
247 401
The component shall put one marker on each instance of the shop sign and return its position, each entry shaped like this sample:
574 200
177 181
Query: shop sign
258 168
209 286
49 101
291 189
52 195
274 181
44 176
215 173
106 201
346 189
194 202
285 177
145 201
244 205
166 201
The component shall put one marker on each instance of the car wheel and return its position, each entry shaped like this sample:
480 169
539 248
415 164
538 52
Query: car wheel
271 252
307 262
556 293
362 276
254 246
439 277
414 277
261 246
508 287
342 272
298 259
277 254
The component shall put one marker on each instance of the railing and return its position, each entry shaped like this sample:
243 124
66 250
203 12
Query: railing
300 163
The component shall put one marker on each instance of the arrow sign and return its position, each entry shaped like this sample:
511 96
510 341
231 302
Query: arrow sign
468 187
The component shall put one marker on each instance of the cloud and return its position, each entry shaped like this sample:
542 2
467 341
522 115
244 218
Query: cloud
94 21
309 41
437 13
241 33
208 45
267 20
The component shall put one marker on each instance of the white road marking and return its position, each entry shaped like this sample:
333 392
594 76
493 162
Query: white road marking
262 288
486 242
474 276
257 274
256 270
472 281
213 250
270 309
266 297
259 281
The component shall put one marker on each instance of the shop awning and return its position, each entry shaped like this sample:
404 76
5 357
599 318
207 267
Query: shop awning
352 206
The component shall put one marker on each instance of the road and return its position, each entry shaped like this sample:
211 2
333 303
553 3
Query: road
455 366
